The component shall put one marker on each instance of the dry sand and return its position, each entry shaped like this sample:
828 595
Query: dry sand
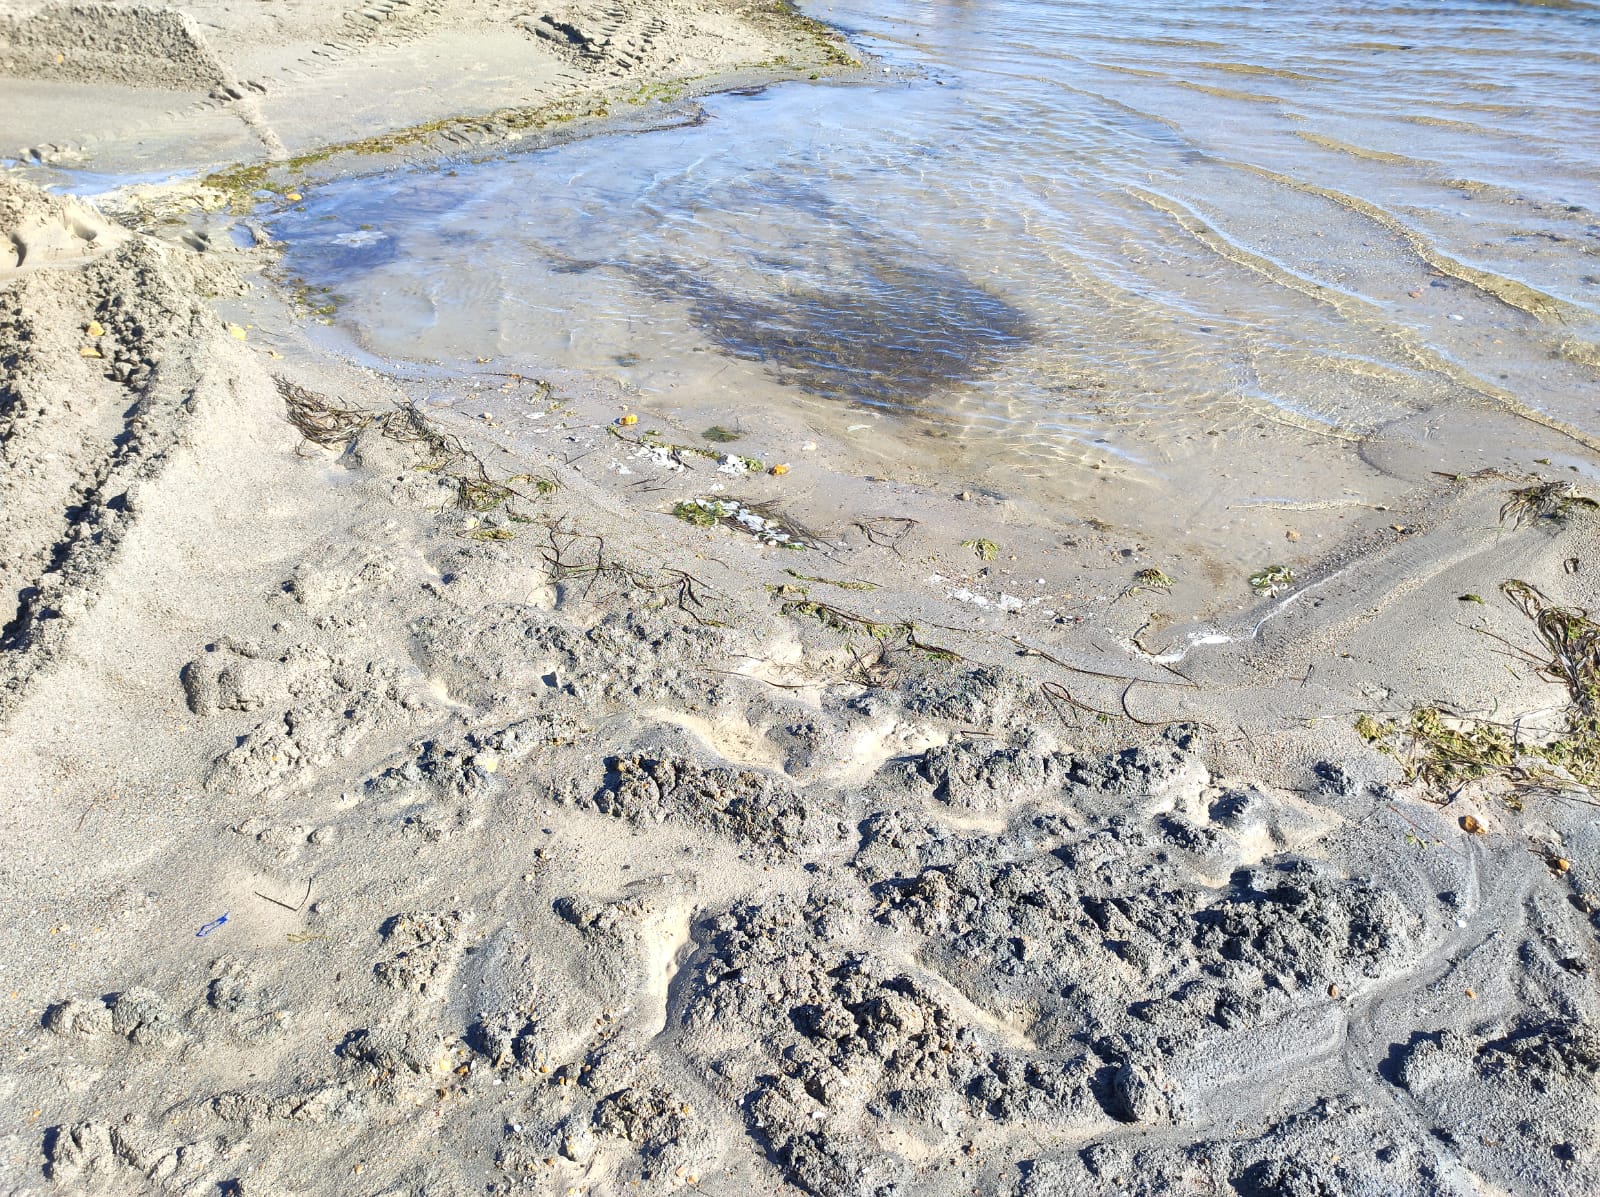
418 807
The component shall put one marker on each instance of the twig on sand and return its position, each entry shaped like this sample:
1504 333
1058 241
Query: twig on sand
406 425
1446 750
565 558
1143 722
1126 690
322 422
1556 501
292 909
317 418
887 531
1055 692
105 800
763 680
797 603
1029 651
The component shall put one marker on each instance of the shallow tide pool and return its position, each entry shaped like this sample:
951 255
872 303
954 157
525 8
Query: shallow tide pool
1158 262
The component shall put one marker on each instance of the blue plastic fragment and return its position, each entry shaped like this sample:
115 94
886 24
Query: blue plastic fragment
211 926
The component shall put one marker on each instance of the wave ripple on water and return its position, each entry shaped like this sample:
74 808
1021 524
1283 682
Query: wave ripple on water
1195 246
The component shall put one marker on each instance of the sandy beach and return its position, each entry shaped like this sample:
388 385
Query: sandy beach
432 781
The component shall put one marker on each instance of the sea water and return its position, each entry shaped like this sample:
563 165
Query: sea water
1162 262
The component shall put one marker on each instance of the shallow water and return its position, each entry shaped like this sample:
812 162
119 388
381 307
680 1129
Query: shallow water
1214 254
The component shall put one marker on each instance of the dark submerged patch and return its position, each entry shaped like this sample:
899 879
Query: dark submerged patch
891 332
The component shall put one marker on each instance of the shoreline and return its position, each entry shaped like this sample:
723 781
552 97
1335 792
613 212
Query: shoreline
446 78
411 795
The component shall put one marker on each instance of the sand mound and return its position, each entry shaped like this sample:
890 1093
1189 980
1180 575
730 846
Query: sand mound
135 46
109 350
47 230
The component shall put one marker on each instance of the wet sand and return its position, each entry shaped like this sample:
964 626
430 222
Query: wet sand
406 798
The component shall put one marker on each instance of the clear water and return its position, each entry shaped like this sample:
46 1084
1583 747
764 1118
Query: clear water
1209 253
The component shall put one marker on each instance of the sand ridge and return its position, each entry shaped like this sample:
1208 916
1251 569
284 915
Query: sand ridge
136 87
